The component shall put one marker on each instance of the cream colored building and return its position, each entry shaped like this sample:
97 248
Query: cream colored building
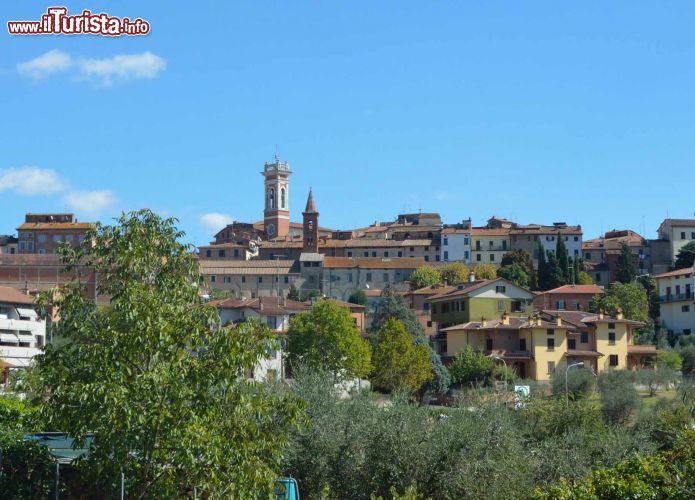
676 301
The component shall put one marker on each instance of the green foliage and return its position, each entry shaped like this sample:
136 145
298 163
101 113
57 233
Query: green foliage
293 293
455 273
630 297
687 354
524 260
150 380
666 475
516 274
504 372
393 305
399 364
686 256
669 358
301 296
580 383
626 268
424 276
485 272
358 297
325 337
584 278
664 423
661 376
471 367
564 268
619 397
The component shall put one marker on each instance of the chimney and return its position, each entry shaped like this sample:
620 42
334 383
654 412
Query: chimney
600 314
558 320
483 322
260 304
505 318
619 313
471 277
446 282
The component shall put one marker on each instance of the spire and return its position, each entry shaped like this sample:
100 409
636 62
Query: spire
310 208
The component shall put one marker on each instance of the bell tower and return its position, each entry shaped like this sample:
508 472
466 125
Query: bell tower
311 226
276 215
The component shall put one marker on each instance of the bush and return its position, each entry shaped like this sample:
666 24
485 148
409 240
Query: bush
658 377
619 397
670 358
471 367
688 356
580 382
358 297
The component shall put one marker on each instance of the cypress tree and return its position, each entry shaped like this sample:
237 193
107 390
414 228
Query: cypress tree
626 265
543 278
563 259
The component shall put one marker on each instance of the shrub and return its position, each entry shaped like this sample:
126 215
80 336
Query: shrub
471 367
619 397
580 382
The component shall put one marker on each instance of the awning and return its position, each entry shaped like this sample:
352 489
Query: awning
571 353
29 313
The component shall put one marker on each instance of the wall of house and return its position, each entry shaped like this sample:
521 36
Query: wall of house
542 355
456 246
603 345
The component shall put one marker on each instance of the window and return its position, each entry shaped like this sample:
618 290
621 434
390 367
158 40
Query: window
56 238
41 238
517 306
243 279
560 305
400 253
576 238
613 360
465 241
227 279
236 252
349 254
446 241
584 337
369 276
271 199
42 251
611 326
68 237
551 343
492 257
349 277
465 255
427 258
282 198
287 279
551 366
611 338
500 289
587 256
492 243
488 344
682 235
500 305
446 255
373 254
412 249
685 309
577 306
260 279
386 277
271 321
213 278
386 254
429 324
598 276
434 308
426 306
477 257
366 254
22 246
522 344
30 245
427 249
220 253
208 253
571 344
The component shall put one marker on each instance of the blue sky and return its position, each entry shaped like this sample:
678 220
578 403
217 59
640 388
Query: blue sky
535 111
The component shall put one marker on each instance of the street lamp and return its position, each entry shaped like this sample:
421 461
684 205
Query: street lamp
505 371
567 391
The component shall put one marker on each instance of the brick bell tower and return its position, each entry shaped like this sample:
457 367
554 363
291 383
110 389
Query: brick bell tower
311 226
276 215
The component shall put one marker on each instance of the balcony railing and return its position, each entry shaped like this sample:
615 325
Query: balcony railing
675 296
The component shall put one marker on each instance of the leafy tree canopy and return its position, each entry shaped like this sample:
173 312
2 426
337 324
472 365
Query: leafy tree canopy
485 272
630 297
516 274
325 337
151 381
583 278
455 273
627 270
424 276
358 297
686 256
471 366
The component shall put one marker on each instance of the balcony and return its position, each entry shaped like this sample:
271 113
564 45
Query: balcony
673 297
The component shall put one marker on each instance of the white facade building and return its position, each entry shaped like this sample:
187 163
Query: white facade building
676 302
22 333
456 245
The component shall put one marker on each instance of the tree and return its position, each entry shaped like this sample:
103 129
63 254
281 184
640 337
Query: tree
485 272
688 356
563 261
669 358
627 271
358 297
399 364
393 305
630 297
424 276
686 256
580 383
147 376
293 293
325 337
523 259
556 274
471 366
583 278
578 266
618 395
516 274
661 376
543 269
455 273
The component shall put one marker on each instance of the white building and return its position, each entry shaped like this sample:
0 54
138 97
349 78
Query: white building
676 302
456 244
678 233
22 333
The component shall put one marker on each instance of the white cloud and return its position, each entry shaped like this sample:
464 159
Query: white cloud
30 181
213 222
90 202
52 61
122 68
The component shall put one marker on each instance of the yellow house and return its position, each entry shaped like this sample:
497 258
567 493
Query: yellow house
538 345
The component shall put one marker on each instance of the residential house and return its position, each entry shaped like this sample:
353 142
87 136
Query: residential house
488 245
532 237
677 301
601 255
420 305
251 278
456 243
9 244
674 233
43 233
22 332
567 297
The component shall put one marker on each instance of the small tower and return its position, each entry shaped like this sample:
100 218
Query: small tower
276 216
311 226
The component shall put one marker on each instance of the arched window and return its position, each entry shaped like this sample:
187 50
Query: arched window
271 199
282 198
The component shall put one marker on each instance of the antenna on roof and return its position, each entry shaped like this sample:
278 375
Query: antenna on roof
277 157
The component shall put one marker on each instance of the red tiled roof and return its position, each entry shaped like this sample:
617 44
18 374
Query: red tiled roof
588 289
678 272
13 296
372 263
28 226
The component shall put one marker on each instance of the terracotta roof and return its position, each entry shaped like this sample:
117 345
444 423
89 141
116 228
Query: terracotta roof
349 305
515 323
583 354
678 272
483 231
431 290
465 288
679 222
641 349
240 267
13 296
455 230
26 226
588 289
540 229
373 263
372 293
268 305
582 318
